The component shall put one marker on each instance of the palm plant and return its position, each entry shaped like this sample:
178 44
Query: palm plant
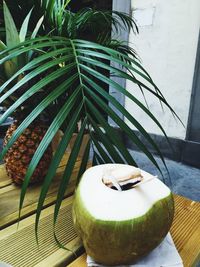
75 70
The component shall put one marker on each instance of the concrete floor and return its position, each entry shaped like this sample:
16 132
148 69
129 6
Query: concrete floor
184 180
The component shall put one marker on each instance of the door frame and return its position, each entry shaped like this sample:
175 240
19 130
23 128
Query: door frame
193 127
122 6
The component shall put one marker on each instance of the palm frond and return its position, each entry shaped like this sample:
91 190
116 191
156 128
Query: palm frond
60 20
75 66
118 46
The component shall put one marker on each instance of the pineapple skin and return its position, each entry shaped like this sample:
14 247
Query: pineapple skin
18 157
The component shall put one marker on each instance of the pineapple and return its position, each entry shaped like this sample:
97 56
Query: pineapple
20 154
18 157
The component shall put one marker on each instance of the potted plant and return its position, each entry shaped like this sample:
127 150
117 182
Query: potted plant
66 79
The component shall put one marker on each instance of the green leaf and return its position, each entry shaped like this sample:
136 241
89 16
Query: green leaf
28 46
101 150
37 27
110 82
132 78
2 46
125 128
94 159
124 112
35 88
24 27
37 111
125 75
82 63
113 59
125 58
49 9
67 3
68 170
113 53
84 161
99 159
55 125
12 36
101 137
55 163
111 134
33 35
33 74
32 64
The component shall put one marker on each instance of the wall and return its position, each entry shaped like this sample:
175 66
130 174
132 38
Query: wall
167 45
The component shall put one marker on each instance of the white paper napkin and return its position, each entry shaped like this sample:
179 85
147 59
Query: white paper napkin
165 255
4 264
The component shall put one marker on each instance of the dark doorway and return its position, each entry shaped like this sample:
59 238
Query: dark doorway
191 148
193 131
98 4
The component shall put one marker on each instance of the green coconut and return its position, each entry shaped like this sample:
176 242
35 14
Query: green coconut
120 227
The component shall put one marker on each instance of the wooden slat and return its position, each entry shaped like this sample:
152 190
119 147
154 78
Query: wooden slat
185 232
80 262
4 179
9 196
16 245
19 248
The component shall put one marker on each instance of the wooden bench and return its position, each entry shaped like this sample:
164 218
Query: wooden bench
18 246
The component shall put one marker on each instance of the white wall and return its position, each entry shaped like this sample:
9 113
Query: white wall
167 45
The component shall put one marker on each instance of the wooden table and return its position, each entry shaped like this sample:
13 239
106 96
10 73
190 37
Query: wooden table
18 246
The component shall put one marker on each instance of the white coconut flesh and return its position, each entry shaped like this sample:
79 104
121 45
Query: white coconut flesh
119 227
104 203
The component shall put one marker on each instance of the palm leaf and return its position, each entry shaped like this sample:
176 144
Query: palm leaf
124 126
104 140
37 111
84 161
82 85
34 89
34 63
68 169
121 109
33 74
60 20
56 160
54 127
101 150
111 135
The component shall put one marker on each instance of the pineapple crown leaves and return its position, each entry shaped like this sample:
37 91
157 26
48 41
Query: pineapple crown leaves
14 38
